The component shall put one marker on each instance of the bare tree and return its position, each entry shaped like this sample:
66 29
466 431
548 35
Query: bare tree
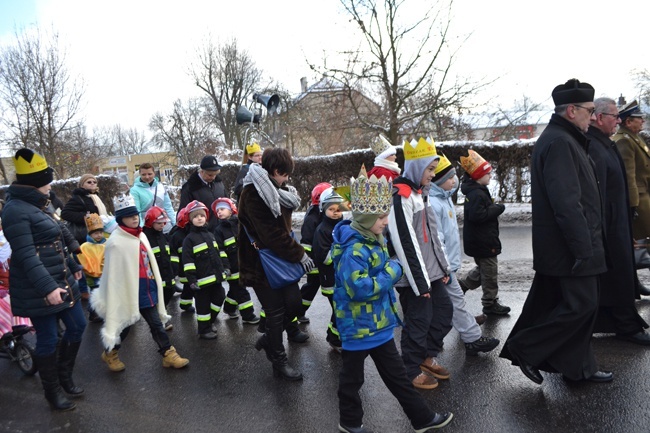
42 101
405 64
227 75
117 140
642 80
187 130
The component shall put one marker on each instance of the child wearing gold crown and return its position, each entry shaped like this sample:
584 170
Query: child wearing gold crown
481 232
385 159
131 288
92 256
414 235
365 308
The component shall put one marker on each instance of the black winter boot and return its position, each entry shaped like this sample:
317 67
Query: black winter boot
50 379
65 364
263 343
295 334
274 329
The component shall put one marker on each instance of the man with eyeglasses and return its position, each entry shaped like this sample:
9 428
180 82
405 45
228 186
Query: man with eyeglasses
204 185
617 312
636 157
553 332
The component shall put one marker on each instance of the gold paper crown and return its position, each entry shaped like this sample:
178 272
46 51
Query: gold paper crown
370 195
93 222
423 148
381 145
442 164
253 148
27 161
473 162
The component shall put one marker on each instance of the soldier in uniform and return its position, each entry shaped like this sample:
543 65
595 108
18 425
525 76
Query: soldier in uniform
636 157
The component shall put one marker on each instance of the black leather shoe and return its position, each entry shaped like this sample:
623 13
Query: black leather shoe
641 337
529 371
601 376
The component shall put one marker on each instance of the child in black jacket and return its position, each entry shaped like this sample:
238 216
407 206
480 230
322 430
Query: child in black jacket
238 300
332 208
154 222
176 237
205 268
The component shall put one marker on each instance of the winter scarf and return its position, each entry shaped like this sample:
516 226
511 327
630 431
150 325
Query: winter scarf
98 202
272 195
389 165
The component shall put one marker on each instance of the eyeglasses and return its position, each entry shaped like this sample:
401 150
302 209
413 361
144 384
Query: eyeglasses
615 116
591 110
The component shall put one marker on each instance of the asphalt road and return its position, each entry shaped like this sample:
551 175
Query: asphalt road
229 387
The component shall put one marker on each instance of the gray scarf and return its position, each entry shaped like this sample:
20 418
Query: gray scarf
272 195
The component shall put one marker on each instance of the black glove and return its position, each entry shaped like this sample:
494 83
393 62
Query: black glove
502 208
307 263
194 286
635 212
577 266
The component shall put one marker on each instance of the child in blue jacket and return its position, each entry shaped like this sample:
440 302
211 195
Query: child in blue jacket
366 311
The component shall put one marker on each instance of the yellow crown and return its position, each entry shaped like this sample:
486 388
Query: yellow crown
253 148
93 222
423 148
442 164
370 195
27 161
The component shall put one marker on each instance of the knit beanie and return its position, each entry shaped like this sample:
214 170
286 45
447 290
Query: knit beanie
444 171
32 169
84 178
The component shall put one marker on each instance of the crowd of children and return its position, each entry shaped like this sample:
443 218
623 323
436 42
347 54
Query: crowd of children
403 235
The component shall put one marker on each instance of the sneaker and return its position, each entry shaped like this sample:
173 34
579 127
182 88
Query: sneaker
483 344
251 320
431 366
234 315
480 319
214 327
208 336
188 309
496 308
424 381
173 359
169 326
113 361
439 420
346 429
303 319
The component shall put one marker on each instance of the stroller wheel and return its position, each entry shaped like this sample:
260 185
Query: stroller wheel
24 358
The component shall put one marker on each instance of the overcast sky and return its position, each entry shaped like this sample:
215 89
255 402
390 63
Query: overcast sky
134 55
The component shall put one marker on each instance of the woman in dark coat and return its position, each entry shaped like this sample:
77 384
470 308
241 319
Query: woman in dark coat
265 209
84 200
43 277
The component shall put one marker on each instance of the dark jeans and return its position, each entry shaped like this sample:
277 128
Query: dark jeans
426 323
150 315
47 329
392 372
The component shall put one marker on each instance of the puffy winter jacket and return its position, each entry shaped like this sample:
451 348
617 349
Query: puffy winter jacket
40 261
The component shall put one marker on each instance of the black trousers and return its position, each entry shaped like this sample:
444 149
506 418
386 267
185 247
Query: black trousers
554 330
238 298
426 323
208 300
150 315
392 372
308 291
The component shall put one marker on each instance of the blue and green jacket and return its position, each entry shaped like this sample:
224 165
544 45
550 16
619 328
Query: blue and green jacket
364 300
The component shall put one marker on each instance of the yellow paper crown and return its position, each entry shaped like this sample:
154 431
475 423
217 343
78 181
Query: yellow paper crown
471 162
93 222
423 148
442 164
253 148
27 161
370 195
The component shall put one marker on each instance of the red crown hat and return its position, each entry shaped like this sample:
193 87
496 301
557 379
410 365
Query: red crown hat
475 165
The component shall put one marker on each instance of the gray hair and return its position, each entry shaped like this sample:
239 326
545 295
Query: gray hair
603 104
561 109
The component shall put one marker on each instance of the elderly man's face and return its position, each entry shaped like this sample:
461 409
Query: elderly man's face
208 175
634 124
608 120
582 114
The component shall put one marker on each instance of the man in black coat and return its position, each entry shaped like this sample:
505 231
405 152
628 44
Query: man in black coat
204 185
617 312
554 330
